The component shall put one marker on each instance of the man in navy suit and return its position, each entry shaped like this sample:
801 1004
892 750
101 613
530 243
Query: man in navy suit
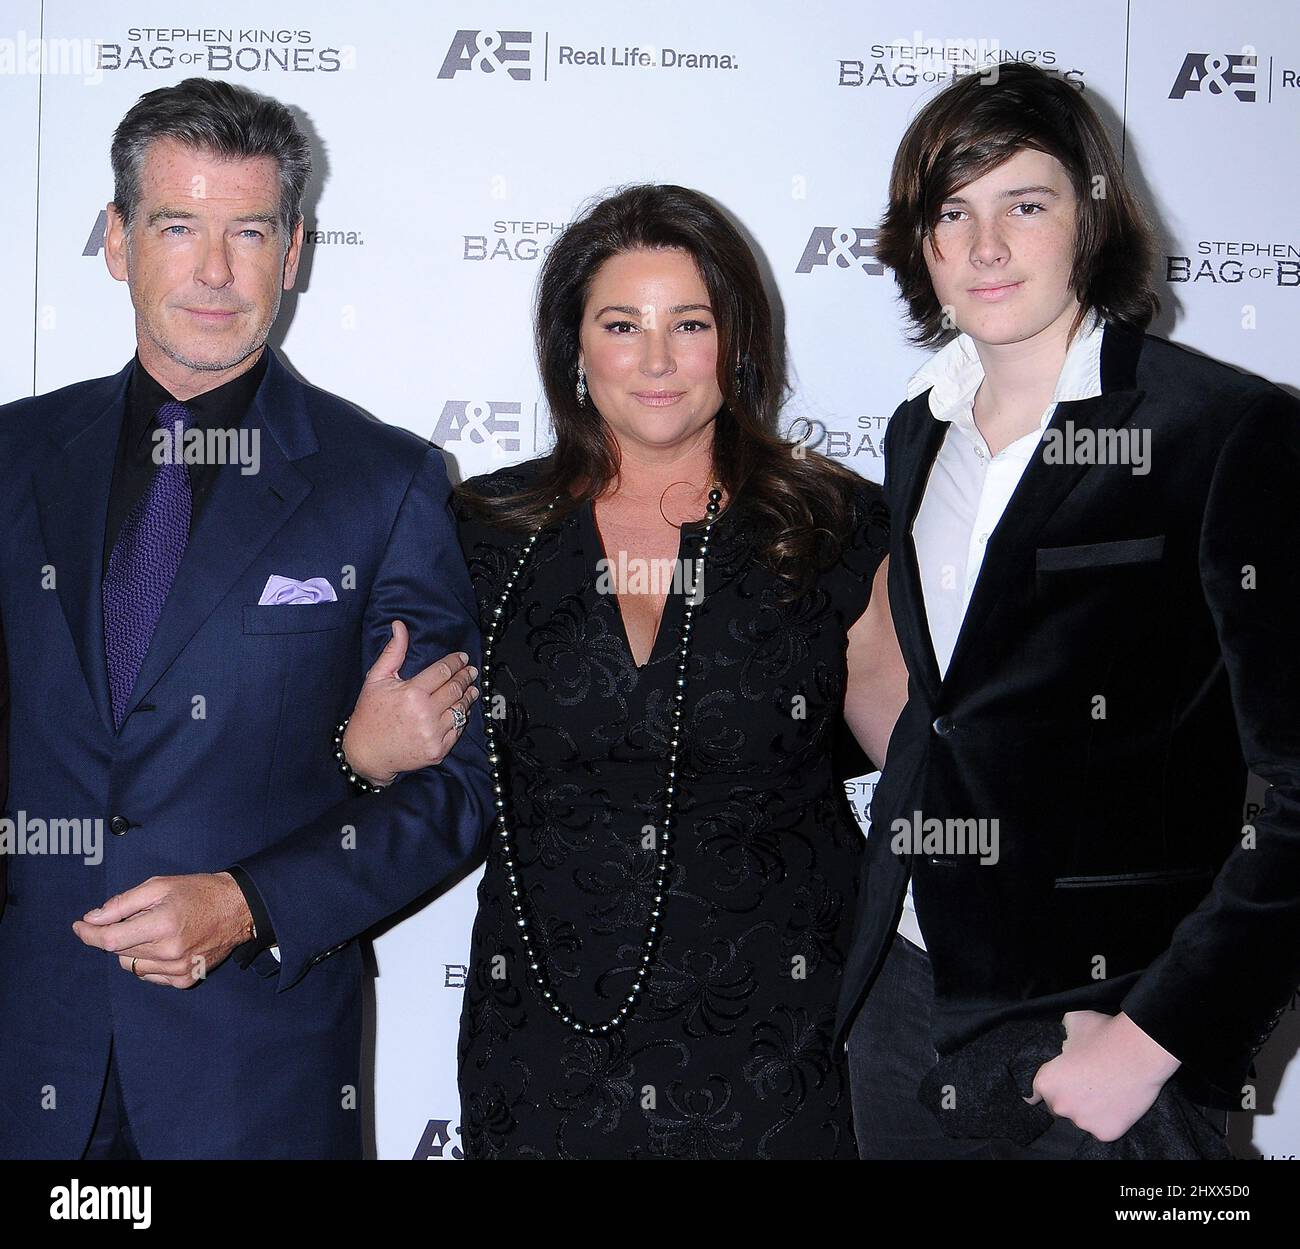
199 558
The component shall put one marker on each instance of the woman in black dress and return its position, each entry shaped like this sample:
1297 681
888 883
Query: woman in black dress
671 875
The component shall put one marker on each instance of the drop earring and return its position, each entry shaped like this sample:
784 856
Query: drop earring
581 389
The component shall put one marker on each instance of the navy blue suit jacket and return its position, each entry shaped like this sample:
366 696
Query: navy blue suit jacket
223 758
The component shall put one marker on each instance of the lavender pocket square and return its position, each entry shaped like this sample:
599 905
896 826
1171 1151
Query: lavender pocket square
280 590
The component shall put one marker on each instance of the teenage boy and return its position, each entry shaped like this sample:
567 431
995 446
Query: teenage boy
1092 579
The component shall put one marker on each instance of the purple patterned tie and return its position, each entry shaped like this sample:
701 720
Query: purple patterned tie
144 561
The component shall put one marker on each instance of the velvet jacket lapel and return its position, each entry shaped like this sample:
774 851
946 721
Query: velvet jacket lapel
1042 489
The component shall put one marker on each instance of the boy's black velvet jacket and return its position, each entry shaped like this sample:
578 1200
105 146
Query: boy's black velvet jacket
1131 649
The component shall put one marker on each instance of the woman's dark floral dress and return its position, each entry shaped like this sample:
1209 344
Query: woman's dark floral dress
728 1054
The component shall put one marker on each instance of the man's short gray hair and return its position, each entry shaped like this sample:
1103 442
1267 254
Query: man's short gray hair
219 117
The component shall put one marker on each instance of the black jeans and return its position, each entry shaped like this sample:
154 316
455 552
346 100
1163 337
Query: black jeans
890 1051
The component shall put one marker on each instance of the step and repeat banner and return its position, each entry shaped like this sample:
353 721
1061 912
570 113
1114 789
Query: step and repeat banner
453 141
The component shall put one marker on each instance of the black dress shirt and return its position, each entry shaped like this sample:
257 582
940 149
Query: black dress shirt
221 408
224 407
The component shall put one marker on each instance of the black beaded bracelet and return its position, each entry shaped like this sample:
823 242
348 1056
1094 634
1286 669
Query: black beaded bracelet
359 782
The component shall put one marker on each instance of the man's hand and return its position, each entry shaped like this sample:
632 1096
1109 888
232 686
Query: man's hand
176 929
1106 1076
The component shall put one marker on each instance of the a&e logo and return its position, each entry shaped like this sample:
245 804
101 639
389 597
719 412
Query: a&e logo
1217 73
846 249
489 52
469 420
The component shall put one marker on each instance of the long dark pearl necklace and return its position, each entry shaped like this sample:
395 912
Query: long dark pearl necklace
505 838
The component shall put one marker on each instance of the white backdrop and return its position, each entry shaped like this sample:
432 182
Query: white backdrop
454 139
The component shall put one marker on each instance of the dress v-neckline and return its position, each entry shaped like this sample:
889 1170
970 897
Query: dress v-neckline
673 601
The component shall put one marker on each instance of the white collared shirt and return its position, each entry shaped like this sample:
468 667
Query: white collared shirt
968 490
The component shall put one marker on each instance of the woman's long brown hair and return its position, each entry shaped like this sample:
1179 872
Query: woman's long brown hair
799 502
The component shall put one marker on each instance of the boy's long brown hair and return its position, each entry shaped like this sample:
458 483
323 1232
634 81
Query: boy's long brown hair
972 127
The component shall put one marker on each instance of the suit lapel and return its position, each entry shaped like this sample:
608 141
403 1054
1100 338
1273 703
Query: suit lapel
241 516
71 491
239 519
1045 486
905 576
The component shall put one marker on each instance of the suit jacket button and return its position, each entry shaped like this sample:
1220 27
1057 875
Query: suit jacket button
118 825
943 726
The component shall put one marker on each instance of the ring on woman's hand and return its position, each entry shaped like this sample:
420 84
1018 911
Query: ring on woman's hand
134 961
459 718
